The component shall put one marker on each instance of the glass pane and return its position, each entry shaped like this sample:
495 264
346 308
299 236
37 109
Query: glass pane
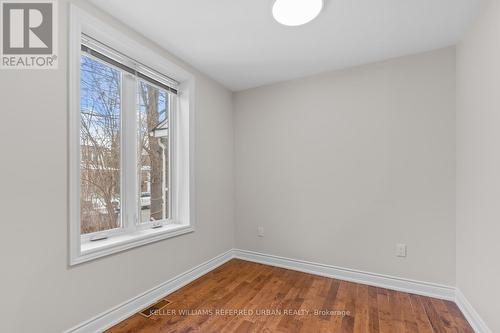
99 146
153 113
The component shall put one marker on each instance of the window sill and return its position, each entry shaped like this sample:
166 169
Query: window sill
93 250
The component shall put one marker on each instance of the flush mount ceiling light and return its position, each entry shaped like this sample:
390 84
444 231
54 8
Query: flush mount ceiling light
296 12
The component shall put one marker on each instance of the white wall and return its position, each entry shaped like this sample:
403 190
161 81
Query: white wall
337 168
38 291
340 167
478 165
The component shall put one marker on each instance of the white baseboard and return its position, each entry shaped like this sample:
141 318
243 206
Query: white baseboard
120 312
470 313
372 279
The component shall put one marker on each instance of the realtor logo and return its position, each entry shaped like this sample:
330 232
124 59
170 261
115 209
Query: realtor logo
28 35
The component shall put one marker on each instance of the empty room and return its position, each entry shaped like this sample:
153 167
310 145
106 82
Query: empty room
290 166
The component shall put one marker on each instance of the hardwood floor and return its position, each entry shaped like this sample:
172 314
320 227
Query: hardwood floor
241 296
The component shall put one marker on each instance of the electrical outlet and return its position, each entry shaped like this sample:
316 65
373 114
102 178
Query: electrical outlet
260 231
401 250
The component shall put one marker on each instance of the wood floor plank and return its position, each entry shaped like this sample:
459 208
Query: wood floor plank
433 316
289 291
409 317
362 313
423 323
398 325
335 300
246 297
291 320
384 309
245 326
273 302
447 321
373 310
462 324
314 301
348 319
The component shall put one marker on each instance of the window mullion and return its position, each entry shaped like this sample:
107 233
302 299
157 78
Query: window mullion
129 161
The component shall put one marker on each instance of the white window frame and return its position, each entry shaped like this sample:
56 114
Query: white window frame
181 137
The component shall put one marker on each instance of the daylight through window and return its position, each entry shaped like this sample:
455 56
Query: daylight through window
123 110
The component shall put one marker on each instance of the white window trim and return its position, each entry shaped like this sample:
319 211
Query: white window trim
183 184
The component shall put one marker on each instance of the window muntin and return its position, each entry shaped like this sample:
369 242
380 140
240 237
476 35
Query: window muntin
100 146
153 152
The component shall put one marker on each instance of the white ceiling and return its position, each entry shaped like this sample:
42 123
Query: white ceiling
238 43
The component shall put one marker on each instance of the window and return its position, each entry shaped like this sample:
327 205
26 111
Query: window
131 172
100 143
153 149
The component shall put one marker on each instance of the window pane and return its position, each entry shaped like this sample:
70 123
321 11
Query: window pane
100 113
153 114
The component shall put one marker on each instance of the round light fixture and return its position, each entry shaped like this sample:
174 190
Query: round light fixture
296 12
